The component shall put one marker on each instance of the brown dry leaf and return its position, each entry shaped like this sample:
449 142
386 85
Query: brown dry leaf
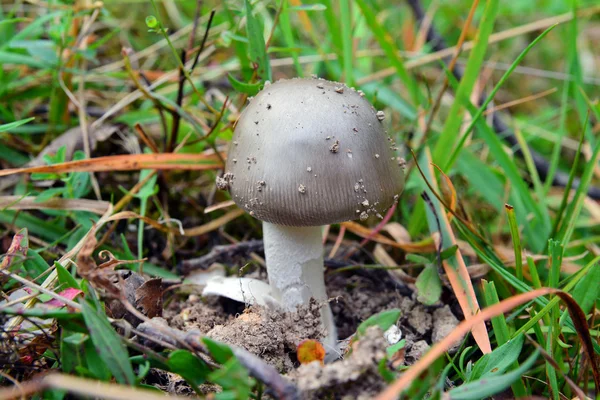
449 193
113 262
88 269
148 298
17 249
128 162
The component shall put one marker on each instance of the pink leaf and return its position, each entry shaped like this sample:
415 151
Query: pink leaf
69 293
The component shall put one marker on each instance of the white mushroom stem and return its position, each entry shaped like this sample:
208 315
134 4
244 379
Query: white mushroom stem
294 257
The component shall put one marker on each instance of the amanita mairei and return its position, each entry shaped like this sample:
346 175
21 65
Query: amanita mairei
307 153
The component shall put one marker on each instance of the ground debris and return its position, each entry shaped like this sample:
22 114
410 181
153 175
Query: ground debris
354 377
271 334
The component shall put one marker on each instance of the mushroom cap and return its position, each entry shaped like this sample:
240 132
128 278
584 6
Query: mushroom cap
308 152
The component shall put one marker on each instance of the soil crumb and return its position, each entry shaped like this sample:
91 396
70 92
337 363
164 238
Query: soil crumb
197 313
355 377
445 322
271 334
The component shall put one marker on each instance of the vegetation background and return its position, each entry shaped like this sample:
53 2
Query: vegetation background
114 118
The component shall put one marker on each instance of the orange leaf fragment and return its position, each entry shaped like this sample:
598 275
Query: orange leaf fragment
310 350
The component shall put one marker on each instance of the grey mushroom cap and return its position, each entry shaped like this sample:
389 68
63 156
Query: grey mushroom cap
308 152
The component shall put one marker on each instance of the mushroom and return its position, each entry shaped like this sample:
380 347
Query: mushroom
296 119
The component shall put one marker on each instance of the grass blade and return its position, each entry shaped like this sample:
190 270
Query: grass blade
449 134
389 48
492 95
346 34
108 344
454 266
258 50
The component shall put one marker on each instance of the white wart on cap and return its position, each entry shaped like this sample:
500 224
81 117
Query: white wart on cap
310 152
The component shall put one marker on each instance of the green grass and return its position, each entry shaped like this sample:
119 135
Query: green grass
504 207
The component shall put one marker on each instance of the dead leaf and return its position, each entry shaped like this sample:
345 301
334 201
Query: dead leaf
17 249
148 298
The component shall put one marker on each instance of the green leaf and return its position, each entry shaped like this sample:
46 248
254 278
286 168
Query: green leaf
587 290
486 387
12 125
94 362
220 352
387 44
258 50
234 379
79 182
448 252
70 350
393 349
429 286
190 367
108 344
384 320
497 361
10 58
451 131
247 88
65 278
35 264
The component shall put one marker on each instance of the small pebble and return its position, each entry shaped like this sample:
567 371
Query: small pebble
393 334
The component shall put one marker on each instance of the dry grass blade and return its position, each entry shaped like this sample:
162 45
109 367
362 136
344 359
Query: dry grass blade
453 196
214 224
128 162
31 203
82 387
455 267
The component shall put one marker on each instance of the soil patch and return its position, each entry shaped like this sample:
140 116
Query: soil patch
274 336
